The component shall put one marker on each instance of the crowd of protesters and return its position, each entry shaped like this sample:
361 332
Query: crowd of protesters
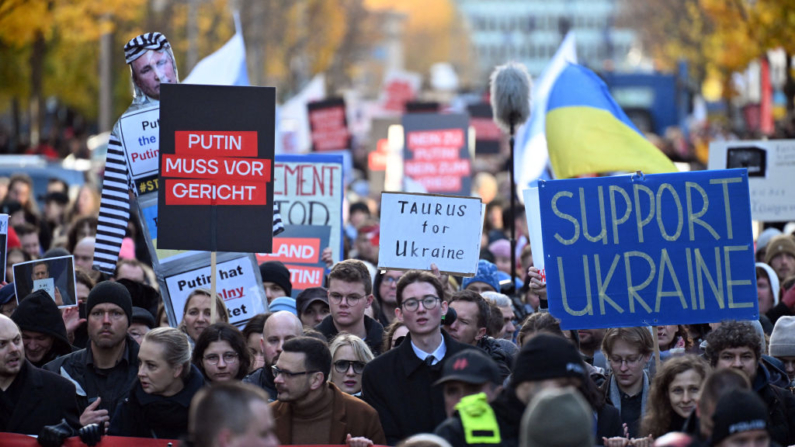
385 357
393 358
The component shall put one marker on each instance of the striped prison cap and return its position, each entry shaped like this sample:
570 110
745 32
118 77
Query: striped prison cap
139 45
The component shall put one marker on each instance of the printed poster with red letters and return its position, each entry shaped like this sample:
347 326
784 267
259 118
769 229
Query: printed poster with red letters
436 152
300 249
328 125
487 134
216 168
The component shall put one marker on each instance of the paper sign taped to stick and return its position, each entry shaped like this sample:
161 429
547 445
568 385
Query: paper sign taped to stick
532 211
420 229
236 284
300 249
654 250
770 167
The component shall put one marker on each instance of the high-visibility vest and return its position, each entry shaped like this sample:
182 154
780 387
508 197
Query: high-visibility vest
478 419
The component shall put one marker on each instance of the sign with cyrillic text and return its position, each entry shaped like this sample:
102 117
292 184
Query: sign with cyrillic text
216 168
436 152
655 250
418 230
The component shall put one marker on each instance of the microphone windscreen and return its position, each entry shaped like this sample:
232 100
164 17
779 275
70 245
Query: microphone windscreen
510 95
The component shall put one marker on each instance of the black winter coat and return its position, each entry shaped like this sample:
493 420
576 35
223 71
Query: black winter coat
45 400
144 415
112 387
374 338
499 354
780 406
400 387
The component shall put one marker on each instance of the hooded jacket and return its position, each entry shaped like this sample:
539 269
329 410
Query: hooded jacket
39 313
780 406
143 415
263 378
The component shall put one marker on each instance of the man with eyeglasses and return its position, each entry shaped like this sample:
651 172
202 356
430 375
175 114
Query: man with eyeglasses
737 345
312 410
350 292
104 371
398 384
627 388
278 328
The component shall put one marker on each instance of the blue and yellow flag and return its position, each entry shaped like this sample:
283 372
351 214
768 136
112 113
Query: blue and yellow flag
588 133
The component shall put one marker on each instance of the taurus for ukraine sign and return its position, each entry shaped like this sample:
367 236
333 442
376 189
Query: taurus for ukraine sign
216 166
649 250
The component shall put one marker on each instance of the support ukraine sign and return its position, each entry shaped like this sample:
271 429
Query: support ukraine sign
656 249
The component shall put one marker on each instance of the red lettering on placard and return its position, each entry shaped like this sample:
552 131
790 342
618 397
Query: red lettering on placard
215 143
294 249
449 138
485 129
302 277
215 192
218 168
306 180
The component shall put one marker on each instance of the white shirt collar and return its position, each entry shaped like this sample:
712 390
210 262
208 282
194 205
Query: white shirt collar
437 354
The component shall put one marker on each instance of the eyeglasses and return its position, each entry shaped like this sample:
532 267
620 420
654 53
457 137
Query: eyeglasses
429 302
389 280
288 374
229 357
630 361
351 299
342 366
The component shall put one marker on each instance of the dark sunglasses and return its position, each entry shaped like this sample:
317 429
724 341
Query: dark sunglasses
342 366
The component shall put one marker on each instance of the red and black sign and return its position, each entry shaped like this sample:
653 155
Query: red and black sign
329 125
216 168
487 134
436 153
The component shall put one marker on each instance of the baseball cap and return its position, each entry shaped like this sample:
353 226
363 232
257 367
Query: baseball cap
309 296
470 366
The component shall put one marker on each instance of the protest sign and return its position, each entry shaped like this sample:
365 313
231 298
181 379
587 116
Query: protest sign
4 241
328 125
399 88
216 167
654 250
436 153
487 134
420 229
54 275
378 159
532 207
308 190
238 284
770 166
140 132
300 249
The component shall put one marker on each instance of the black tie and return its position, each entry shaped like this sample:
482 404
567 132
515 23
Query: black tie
429 360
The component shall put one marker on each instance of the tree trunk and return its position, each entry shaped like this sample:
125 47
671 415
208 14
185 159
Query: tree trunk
36 91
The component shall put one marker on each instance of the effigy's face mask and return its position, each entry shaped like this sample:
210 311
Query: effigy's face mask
152 69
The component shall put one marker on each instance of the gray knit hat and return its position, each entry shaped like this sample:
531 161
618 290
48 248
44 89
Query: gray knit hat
557 418
782 340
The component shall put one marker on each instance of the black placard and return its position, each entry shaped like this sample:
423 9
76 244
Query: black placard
226 210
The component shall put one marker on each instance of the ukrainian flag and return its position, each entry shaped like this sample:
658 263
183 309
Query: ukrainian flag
588 133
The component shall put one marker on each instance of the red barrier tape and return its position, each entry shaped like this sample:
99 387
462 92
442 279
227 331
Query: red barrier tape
15 440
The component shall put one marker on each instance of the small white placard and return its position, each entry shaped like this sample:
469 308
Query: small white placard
418 230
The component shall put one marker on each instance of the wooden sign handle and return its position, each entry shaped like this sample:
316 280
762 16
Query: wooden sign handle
213 306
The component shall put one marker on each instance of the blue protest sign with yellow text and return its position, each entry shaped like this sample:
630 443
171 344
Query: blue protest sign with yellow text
657 249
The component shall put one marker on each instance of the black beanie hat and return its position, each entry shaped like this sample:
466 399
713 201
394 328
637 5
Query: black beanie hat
547 356
110 292
738 411
38 312
276 272
144 317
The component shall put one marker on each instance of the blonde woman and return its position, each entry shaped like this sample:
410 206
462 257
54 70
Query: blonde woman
349 355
